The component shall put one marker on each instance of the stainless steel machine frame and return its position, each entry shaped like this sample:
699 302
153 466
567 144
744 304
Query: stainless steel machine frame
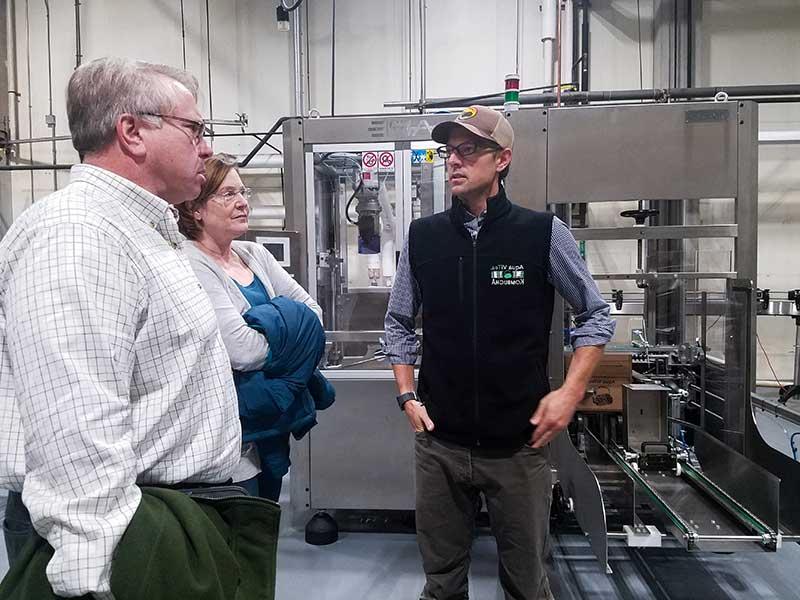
360 456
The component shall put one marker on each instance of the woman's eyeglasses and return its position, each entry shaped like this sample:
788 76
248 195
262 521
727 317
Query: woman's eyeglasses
229 195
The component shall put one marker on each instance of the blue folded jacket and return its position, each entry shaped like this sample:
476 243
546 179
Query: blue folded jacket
285 394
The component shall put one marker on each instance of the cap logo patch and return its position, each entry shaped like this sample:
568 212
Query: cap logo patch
467 113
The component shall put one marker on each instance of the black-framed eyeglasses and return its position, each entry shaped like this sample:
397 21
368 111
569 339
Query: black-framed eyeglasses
196 129
465 149
229 195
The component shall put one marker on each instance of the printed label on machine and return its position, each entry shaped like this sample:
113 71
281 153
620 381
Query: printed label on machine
386 162
369 162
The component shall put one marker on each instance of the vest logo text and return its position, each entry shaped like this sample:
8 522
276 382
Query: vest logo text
507 275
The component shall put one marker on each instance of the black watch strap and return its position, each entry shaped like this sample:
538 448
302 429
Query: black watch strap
403 398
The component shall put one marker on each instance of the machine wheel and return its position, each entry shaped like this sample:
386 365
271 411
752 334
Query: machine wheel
321 530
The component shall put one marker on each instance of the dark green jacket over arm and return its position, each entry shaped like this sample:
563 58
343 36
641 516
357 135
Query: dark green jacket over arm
176 546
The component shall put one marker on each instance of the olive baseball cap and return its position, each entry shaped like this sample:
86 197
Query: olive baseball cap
480 120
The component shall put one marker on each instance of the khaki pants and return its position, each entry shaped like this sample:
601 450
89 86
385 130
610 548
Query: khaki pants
518 490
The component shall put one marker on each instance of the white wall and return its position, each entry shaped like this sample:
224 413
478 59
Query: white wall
471 45
743 43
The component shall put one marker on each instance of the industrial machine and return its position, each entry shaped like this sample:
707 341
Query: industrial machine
665 442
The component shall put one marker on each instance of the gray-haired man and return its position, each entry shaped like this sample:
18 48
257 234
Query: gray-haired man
113 370
484 273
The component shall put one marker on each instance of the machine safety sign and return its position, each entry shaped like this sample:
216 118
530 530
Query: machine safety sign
369 161
386 161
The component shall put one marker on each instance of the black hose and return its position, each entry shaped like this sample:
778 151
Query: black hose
350 201
294 6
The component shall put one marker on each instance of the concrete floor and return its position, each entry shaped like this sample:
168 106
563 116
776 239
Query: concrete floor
379 566
376 566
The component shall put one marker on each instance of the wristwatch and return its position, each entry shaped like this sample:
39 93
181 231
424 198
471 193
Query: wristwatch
403 398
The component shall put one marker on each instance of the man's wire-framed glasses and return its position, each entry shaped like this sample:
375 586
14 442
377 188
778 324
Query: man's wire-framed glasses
465 149
195 129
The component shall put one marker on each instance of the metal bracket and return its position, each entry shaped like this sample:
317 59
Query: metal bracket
762 296
642 536
795 295
618 297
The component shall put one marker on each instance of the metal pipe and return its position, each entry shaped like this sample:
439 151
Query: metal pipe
333 58
558 52
240 122
771 383
655 94
410 50
567 45
297 75
58 138
30 102
64 138
548 38
269 161
704 344
11 32
585 46
33 168
183 35
208 44
797 352
268 212
79 54
622 535
423 40
576 40
306 53
517 63
51 117
728 538
779 137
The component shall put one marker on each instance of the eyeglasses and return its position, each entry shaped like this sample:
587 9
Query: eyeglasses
196 130
229 195
464 149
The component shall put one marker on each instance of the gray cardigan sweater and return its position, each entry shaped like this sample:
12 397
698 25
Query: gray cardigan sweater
246 347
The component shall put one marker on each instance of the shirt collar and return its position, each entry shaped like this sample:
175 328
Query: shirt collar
494 204
145 206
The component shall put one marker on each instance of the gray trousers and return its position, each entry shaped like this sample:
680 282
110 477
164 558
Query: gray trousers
517 488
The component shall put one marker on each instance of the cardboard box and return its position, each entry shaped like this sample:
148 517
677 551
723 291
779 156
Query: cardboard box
604 392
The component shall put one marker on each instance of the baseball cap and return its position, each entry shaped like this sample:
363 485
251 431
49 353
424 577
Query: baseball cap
480 120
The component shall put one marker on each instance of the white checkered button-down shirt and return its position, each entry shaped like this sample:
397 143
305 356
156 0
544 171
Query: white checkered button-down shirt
112 369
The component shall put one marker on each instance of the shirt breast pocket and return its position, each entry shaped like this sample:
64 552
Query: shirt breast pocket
185 306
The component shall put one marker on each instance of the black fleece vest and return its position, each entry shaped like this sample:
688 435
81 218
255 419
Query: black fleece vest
486 313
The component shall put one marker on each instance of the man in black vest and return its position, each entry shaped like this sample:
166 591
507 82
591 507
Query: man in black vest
484 273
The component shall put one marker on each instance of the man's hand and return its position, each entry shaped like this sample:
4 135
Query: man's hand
556 409
418 416
553 415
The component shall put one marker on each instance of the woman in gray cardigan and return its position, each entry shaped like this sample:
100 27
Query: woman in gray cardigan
237 275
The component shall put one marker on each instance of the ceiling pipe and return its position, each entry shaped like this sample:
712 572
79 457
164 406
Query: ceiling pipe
13 84
78 53
549 11
763 93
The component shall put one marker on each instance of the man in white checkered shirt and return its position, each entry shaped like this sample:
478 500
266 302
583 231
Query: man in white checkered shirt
112 369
